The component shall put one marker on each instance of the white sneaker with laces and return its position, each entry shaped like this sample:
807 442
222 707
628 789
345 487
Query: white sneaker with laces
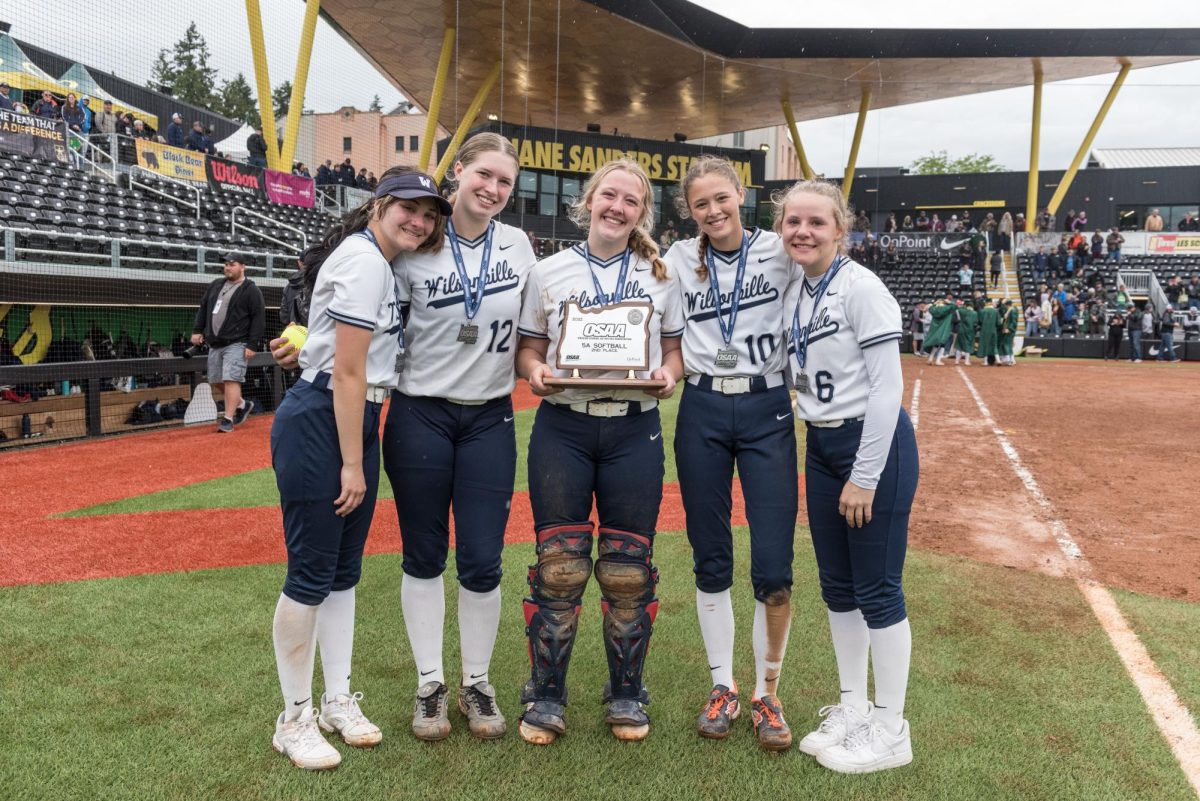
868 749
300 741
839 721
342 715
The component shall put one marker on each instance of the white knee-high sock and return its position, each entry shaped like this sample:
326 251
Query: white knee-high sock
715 611
294 633
771 626
335 638
851 644
424 605
478 621
891 653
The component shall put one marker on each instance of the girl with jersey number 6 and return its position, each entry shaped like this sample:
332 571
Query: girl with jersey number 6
605 443
736 409
325 451
861 470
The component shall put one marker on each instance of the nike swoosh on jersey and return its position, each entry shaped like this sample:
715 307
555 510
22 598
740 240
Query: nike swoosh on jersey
765 258
505 247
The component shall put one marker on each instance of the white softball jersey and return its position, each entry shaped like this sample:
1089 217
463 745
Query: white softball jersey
567 276
441 360
856 312
355 286
759 330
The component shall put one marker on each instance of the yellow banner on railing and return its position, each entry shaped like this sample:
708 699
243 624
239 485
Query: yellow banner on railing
173 162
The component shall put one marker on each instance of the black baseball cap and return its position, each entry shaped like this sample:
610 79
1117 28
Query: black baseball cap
233 256
413 185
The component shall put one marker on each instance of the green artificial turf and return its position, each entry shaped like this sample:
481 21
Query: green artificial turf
164 687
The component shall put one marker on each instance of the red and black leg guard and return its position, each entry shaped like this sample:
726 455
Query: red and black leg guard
556 585
627 580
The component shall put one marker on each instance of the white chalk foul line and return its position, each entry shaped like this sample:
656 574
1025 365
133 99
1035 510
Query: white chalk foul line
1170 715
914 409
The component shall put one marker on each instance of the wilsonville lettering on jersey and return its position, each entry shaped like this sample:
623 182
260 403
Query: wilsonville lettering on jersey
447 289
585 299
701 305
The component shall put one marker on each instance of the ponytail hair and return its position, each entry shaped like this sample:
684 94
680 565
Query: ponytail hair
640 241
354 221
705 165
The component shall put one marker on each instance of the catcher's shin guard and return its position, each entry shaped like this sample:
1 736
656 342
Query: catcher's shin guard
556 585
627 580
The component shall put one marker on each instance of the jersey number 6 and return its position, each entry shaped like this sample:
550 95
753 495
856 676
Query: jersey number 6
824 386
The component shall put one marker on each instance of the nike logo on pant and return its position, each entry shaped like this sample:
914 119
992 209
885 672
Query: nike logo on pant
783 416
509 419
655 436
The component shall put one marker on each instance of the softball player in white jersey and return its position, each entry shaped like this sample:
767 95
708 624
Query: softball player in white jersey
861 471
597 442
450 439
736 410
325 451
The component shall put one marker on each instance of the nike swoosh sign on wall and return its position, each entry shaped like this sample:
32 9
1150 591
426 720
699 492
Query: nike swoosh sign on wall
948 244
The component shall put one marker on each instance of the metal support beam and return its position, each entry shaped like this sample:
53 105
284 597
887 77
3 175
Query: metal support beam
312 10
863 106
435 101
1069 176
1035 140
805 169
262 80
466 122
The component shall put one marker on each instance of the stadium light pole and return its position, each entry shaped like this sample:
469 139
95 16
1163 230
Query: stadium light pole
1069 176
262 80
863 106
312 10
1035 141
465 123
435 100
805 169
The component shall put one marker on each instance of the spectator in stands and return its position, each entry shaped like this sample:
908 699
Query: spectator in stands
1046 221
1069 221
1097 254
988 226
937 226
1122 296
47 107
1154 222
1019 223
175 131
346 173
1193 292
874 253
1033 317
230 319
907 224
923 223
6 102
86 104
966 224
892 256
139 130
72 113
1082 251
965 278
979 256
372 181
1039 265
1149 322
104 121
1133 322
1191 325
890 225
197 140
1004 231
256 146
1166 350
1114 242
953 226
325 174
1080 223
1116 330
997 266
1173 290
360 180
858 252
1189 223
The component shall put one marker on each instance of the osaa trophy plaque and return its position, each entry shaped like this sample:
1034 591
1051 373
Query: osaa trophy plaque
614 339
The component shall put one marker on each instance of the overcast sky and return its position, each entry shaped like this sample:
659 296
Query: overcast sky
1158 107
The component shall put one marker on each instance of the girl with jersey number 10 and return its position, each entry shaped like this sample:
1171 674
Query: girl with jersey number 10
861 471
736 409
325 451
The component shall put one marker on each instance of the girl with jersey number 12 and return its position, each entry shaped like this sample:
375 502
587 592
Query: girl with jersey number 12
736 410
861 470
325 451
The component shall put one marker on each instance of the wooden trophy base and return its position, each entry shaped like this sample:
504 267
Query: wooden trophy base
575 380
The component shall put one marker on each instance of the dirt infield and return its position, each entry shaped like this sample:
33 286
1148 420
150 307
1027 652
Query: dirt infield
1111 444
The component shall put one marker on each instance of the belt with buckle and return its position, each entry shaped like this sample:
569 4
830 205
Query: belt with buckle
611 408
833 423
735 384
469 402
321 379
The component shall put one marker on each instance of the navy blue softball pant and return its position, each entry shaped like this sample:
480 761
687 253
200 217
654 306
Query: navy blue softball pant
619 460
324 550
439 454
755 431
860 568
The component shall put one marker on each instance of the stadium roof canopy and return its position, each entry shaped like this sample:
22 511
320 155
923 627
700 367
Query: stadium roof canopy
655 67
1120 158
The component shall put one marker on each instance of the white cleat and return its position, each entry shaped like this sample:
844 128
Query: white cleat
342 715
839 721
300 741
869 748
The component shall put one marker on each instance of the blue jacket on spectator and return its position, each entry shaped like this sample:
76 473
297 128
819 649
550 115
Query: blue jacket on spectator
6 102
85 104
197 141
73 116
324 176
175 135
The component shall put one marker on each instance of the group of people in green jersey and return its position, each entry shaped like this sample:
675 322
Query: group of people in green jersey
973 327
